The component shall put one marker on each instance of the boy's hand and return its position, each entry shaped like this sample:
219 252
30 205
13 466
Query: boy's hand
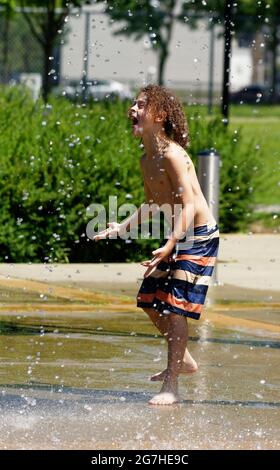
159 255
113 230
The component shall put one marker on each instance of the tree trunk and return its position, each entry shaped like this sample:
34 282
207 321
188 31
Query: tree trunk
274 47
227 57
164 43
46 85
49 27
162 63
258 59
48 44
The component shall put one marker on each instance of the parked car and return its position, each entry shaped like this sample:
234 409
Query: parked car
96 90
253 94
102 89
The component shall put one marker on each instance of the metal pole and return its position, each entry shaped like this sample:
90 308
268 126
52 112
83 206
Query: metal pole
208 172
86 58
227 56
211 68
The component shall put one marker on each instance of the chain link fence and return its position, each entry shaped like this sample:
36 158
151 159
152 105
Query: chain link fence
21 53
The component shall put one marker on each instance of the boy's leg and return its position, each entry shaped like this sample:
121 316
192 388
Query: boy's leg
160 321
177 341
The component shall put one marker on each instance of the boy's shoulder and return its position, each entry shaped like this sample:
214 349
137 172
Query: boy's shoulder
142 159
174 150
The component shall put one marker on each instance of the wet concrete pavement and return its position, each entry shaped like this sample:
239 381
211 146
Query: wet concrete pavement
246 260
80 380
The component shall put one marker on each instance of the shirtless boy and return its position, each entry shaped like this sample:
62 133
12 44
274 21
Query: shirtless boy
177 277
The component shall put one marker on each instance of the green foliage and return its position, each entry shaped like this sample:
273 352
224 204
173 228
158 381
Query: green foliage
240 167
59 158
55 161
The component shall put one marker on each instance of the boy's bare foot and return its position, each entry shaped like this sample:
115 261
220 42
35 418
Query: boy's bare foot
187 368
168 394
164 398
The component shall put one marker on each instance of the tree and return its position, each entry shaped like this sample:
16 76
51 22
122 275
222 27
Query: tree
249 17
274 42
18 50
152 18
268 13
45 26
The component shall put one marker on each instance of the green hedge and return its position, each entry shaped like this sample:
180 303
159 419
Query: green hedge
56 160
241 166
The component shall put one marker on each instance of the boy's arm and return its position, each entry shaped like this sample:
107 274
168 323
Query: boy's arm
143 212
126 225
140 215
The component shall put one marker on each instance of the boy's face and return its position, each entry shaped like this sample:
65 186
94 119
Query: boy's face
140 115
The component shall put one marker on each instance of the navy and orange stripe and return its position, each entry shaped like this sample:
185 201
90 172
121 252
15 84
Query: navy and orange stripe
181 285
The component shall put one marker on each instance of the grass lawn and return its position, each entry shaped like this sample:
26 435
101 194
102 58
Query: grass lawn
267 135
262 124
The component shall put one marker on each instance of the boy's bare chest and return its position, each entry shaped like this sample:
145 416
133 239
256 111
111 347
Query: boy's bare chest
155 175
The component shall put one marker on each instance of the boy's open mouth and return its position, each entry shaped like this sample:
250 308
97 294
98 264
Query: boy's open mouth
134 121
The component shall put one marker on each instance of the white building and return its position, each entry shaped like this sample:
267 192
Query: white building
125 60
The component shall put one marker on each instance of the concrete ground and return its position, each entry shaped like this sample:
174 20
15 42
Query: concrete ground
71 380
247 261
75 364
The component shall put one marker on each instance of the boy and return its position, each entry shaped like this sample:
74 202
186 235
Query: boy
177 277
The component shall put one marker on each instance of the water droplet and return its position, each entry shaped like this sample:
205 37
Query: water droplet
87 407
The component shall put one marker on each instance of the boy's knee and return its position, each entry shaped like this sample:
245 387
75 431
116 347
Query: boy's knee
146 309
149 310
175 317
152 312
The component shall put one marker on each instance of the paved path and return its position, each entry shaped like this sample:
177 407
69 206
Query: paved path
247 261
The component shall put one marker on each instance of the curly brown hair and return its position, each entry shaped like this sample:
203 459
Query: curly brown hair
160 99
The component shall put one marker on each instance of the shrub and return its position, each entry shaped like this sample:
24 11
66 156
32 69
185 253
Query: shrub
240 166
57 159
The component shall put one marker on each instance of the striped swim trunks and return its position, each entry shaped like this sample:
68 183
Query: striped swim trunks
180 284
